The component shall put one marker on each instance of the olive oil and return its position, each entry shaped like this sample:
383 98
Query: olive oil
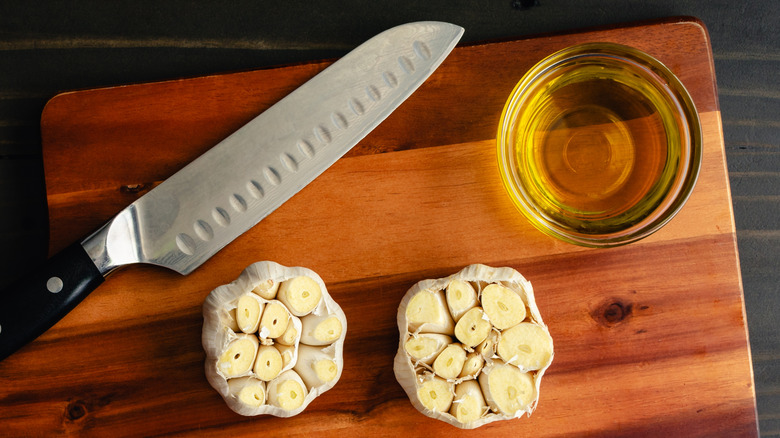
599 150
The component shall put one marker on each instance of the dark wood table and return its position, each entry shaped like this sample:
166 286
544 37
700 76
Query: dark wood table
45 51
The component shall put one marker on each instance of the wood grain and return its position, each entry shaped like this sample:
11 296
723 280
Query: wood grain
650 338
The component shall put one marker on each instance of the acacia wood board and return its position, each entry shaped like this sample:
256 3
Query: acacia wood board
650 338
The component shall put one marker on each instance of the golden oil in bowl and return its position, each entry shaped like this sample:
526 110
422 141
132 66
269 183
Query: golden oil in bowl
599 145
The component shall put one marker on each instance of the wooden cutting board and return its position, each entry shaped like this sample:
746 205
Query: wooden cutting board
650 338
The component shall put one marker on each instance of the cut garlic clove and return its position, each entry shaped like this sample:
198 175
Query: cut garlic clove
266 289
472 366
487 348
507 389
287 391
229 320
248 311
248 390
320 329
221 333
449 363
268 364
473 327
461 296
503 306
238 357
469 403
275 320
427 312
435 394
300 294
315 366
289 355
526 345
425 347
293 332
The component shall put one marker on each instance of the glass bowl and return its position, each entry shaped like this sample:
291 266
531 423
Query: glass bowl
599 145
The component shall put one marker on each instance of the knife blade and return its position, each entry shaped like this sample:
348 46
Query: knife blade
194 213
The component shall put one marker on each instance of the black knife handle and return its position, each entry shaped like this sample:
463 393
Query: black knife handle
35 302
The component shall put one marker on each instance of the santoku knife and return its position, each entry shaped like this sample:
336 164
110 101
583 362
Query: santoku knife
230 188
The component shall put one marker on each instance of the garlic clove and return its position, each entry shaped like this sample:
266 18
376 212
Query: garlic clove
300 294
487 348
275 320
469 403
320 329
526 345
293 332
266 289
237 359
449 363
268 364
507 389
427 312
425 347
461 296
316 366
248 390
473 365
248 311
287 391
473 327
435 394
503 306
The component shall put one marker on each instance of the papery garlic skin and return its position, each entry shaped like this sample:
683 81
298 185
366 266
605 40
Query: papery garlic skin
270 385
480 382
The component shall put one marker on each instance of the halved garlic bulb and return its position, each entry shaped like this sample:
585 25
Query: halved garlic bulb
471 358
274 340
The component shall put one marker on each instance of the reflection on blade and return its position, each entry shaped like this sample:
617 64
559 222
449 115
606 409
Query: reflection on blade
241 180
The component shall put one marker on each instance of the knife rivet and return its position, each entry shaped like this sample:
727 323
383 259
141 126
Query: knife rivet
54 285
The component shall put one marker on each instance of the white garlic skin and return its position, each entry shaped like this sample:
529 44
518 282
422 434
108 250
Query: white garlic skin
219 323
480 276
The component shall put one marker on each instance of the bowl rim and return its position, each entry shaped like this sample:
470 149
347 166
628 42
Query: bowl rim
692 143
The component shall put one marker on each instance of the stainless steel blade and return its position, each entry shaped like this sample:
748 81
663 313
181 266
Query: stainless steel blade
203 207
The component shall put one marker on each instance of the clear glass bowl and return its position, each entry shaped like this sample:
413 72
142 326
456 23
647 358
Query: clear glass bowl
599 145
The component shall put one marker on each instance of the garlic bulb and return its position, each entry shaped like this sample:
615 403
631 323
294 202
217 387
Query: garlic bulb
473 347
274 340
